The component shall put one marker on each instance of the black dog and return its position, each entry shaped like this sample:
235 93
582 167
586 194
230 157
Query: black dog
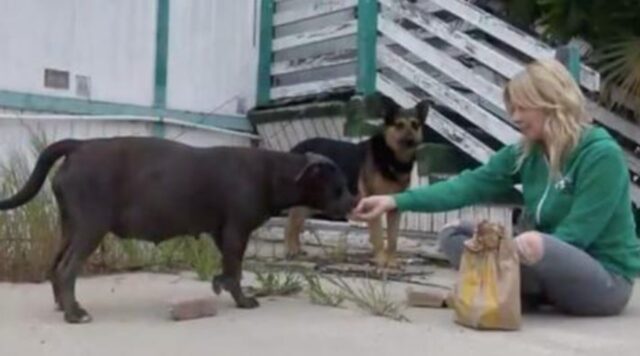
154 189
381 164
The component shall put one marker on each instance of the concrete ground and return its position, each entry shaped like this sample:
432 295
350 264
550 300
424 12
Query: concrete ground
131 318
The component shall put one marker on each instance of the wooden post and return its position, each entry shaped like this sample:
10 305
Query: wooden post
162 50
367 35
265 54
570 57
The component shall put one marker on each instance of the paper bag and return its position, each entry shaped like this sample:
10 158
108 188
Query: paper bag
487 293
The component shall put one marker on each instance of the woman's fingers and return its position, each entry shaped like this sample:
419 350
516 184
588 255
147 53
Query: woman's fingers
372 207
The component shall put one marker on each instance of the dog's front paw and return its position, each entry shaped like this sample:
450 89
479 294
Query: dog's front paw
380 260
218 284
392 261
77 316
292 255
247 303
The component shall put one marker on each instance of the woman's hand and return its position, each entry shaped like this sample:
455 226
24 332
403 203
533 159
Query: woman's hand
372 207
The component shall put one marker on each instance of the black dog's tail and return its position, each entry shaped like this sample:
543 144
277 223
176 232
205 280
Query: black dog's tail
45 161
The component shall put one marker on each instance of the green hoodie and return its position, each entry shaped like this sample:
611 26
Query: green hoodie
589 207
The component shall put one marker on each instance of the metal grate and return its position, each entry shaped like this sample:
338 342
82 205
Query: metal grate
83 86
56 79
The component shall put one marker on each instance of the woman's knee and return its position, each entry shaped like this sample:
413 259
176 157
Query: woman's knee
530 246
451 240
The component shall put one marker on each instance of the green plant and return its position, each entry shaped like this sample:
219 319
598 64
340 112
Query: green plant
28 235
203 257
619 62
370 297
612 28
319 295
275 283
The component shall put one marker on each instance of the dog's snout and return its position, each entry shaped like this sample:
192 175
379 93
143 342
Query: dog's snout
410 142
355 201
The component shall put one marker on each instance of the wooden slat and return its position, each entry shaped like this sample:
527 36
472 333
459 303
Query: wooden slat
611 120
298 127
443 62
270 136
311 87
633 162
333 128
452 215
531 46
312 10
279 136
496 127
459 137
439 219
292 135
310 128
320 127
455 134
314 62
635 194
321 35
463 42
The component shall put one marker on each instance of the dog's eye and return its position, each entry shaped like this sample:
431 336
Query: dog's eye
414 125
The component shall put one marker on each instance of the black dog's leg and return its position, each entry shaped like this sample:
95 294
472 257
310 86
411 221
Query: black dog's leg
62 250
83 243
234 244
53 275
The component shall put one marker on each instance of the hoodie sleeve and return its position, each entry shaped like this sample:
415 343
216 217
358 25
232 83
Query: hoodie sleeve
490 181
602 182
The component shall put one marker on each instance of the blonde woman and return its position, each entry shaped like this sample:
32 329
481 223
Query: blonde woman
581 254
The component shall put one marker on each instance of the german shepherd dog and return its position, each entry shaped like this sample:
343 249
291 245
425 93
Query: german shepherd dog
381 164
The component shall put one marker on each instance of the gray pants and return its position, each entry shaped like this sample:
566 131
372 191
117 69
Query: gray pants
566 277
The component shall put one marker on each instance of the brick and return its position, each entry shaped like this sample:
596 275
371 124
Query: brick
193 308
428 297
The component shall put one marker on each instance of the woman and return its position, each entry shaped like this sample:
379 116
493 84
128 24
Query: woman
582 254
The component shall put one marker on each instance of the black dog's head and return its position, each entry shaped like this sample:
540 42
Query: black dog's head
403 127
324 187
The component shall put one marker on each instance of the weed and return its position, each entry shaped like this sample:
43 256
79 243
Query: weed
370 297
321 296
274 283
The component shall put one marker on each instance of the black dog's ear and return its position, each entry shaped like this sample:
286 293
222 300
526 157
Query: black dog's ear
422 110
313 167
389 109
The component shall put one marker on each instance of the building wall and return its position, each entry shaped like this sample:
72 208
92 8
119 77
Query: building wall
212 54
18 130
111 42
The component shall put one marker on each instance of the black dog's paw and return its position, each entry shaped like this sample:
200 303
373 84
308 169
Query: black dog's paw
248 303
218 284
77 316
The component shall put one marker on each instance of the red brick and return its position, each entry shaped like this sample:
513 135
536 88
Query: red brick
193 308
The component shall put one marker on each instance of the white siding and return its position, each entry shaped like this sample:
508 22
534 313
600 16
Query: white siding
213 55
16 134
111 41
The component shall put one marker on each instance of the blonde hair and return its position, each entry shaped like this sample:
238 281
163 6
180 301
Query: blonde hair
547 85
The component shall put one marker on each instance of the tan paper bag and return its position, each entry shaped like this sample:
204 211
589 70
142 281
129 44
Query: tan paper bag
487 293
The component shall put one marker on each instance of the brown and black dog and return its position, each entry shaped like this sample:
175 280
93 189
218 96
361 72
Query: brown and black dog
381 164
155 189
